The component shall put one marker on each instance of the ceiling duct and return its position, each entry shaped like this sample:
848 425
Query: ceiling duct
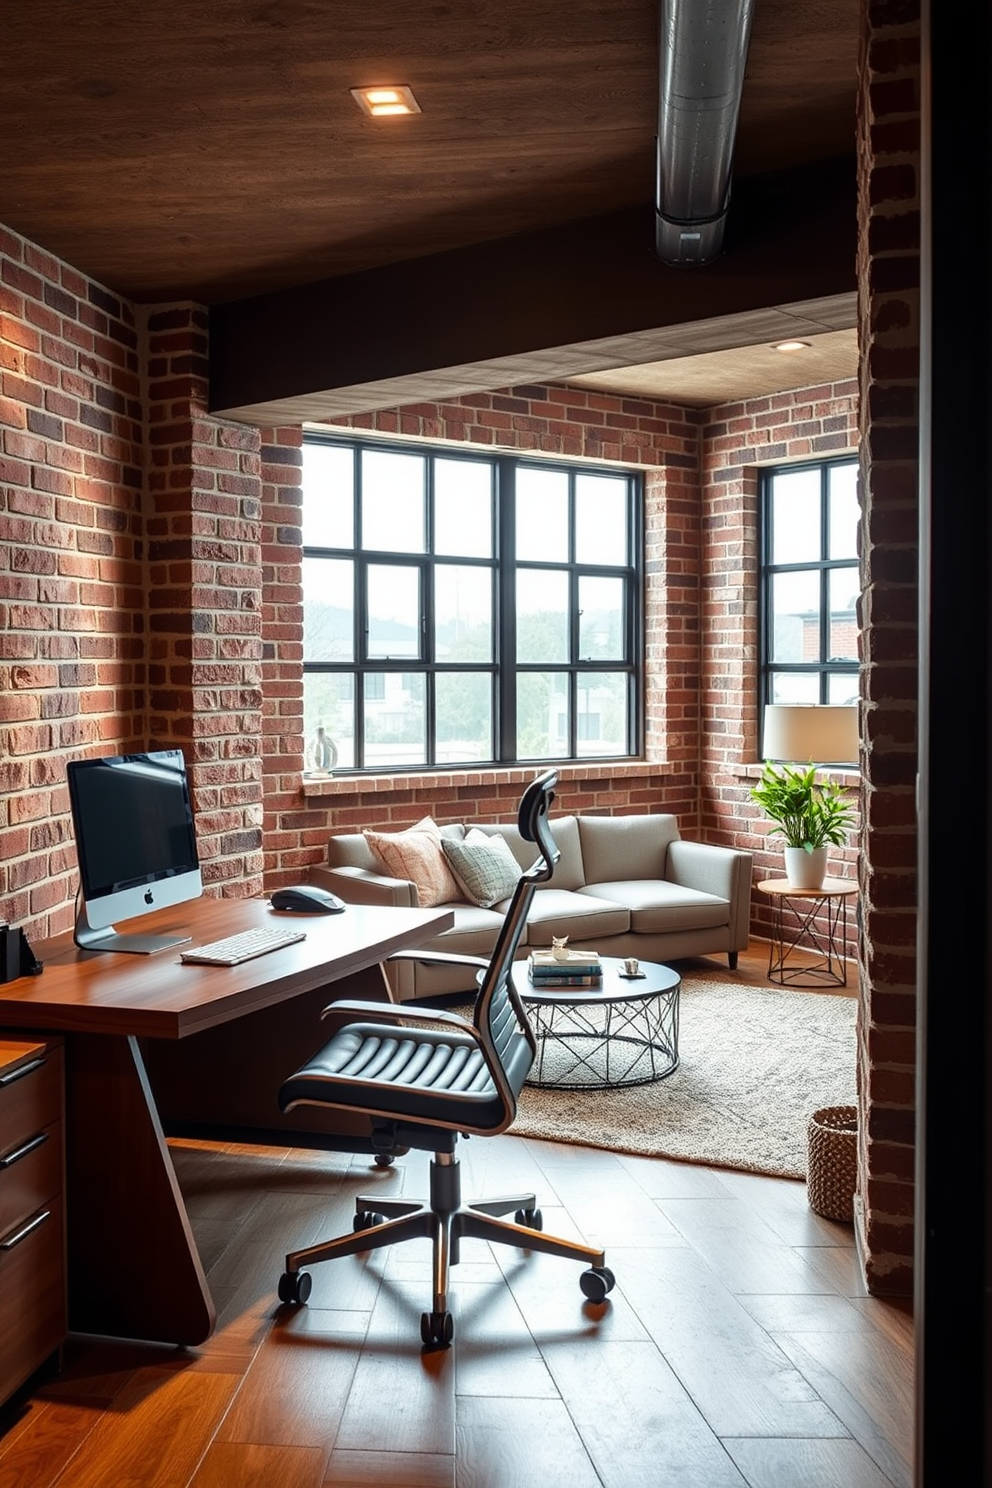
703 53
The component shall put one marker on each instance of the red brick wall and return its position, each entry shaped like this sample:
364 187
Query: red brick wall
888 273
130 575
204 599
72 608
815 423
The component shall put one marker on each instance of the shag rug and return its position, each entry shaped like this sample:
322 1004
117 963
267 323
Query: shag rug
754 1064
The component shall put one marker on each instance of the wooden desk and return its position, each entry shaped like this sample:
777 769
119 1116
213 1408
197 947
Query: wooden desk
236 1032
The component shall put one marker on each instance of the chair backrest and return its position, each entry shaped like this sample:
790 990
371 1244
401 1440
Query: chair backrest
500 1017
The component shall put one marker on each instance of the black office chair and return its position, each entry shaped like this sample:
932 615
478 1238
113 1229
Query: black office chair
422 1085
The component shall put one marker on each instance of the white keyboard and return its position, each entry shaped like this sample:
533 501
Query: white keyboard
244 946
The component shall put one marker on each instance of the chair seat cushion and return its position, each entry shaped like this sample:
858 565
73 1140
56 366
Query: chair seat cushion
416 1074
579 915
657 906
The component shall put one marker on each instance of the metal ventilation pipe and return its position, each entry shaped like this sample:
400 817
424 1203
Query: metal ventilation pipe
703 45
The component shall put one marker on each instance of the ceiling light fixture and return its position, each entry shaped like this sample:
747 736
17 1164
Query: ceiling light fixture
791 346
385 102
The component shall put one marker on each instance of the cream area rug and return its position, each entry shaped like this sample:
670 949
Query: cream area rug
754 1064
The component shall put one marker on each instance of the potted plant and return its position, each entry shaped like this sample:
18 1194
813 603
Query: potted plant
811 816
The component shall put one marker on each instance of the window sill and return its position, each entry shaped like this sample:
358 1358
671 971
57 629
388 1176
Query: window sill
317 787
846 775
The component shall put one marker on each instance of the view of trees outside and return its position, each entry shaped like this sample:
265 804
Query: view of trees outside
813 515
404 539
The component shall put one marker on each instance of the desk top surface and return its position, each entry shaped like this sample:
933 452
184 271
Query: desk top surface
161 997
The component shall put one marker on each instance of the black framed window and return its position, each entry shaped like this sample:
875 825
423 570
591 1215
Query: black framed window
809 583
464 608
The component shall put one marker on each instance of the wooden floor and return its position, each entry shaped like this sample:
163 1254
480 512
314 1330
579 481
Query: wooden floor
739 1346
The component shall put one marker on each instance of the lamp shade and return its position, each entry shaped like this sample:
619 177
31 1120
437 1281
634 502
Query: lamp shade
801 732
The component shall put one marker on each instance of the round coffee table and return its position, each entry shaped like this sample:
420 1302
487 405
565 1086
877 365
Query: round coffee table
623 1032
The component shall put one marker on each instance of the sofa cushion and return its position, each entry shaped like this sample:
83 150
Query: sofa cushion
569 871
473 933
582 917
484 866
625 847
416 854
656 907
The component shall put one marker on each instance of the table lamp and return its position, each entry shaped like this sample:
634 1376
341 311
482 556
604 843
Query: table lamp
817 733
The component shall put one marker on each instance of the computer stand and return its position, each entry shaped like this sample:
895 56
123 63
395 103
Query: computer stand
109 939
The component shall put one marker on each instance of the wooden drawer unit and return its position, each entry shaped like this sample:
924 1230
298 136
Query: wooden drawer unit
32 1226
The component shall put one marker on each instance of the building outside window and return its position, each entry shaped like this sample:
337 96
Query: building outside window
464 609
810 583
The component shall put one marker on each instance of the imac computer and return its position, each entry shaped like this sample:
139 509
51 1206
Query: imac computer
136 845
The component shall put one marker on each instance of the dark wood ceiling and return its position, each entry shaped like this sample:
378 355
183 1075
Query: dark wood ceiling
210 149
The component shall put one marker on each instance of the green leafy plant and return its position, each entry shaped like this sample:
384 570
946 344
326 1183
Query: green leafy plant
806 813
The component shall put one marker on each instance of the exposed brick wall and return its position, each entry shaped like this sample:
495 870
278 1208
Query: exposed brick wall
888 274
291 825
204 585
130 575
394 802
72 609
737 439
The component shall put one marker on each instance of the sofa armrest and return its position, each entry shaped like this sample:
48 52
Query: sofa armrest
722 871
360 886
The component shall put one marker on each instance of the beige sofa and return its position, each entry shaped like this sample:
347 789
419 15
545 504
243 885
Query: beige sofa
624 886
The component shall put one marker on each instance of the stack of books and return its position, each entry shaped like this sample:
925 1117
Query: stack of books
576 969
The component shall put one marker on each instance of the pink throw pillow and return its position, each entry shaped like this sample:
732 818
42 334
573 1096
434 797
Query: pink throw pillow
416 855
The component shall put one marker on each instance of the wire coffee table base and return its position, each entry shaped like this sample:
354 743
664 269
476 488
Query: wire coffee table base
623 1033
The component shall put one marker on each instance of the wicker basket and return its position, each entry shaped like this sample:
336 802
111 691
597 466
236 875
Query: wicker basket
832 1168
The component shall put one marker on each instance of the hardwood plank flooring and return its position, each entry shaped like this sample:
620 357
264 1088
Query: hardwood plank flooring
740 1348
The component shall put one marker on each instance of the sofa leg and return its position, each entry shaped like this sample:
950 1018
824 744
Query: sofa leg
732 958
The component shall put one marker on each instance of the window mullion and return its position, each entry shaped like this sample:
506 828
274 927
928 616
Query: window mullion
506 635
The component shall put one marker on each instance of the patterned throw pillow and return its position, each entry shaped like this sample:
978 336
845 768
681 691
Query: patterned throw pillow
484 866
416 855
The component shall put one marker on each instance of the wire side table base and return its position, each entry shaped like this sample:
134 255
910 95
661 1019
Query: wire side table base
795 913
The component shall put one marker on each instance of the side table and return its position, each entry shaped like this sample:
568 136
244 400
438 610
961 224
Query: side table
795 913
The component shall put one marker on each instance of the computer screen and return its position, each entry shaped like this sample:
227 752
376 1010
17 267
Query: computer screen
136 845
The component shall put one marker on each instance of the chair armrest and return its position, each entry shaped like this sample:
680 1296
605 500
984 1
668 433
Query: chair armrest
373 1011
440 958
724 872
362 886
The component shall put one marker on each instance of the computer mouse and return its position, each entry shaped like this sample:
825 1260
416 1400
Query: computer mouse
306 899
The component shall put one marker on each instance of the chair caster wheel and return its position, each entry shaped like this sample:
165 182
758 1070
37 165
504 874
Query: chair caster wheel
366 1219
384 1159
596 1282
532 1218
294 1287
437 1328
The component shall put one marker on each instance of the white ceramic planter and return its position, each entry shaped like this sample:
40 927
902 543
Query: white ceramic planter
806 870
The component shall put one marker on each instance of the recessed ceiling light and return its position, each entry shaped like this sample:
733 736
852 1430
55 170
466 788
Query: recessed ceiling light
791 346
381 103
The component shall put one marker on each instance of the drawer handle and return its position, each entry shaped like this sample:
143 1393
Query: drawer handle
18 1074
25 1230
19 1152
